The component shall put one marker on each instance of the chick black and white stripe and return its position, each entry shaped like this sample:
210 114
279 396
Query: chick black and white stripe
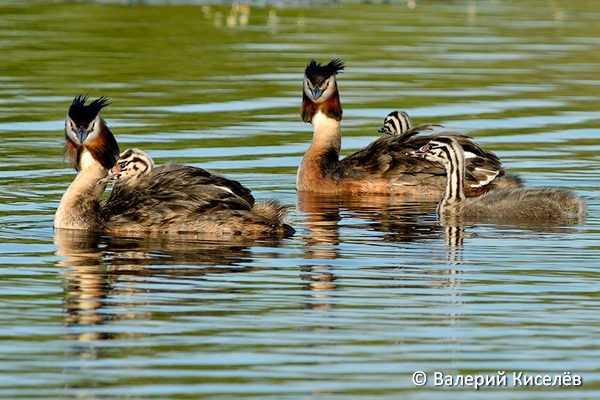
132 164
541 205
396 123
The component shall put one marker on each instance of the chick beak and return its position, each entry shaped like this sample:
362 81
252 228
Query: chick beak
115 171
422 151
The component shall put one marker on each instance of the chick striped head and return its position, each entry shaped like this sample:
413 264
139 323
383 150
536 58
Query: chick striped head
396 123
132 164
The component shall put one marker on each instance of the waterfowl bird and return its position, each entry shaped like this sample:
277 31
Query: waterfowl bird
398 123
386 165
538 205
132 164
167 199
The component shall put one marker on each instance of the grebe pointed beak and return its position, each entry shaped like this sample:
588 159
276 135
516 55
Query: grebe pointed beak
384 129
82 134
316 92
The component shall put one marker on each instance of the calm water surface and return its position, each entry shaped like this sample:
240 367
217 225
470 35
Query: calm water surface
366 292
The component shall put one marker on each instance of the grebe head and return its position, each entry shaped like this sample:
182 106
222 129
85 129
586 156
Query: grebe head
86 132
396 123
83 120
442 150
132 164
320 92
319 80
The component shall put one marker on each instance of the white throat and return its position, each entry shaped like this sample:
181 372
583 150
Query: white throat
326 131
86 161
79 205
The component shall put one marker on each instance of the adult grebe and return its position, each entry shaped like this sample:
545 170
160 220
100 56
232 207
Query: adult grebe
385 166
168 199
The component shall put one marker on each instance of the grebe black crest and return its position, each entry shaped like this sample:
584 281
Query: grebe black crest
83 114
318 73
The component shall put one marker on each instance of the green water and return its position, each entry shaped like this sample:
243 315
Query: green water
366 292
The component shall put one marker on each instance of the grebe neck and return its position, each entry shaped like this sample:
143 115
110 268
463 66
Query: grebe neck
326 133
80 204
455 178
323 154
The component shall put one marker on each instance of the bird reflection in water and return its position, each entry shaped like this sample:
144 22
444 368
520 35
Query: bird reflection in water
454 233
399 220
106 278
321 243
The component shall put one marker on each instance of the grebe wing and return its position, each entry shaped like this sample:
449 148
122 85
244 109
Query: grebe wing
174 174
390 157
172 192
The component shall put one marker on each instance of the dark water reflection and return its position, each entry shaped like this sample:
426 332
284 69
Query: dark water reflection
100 268
397 219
